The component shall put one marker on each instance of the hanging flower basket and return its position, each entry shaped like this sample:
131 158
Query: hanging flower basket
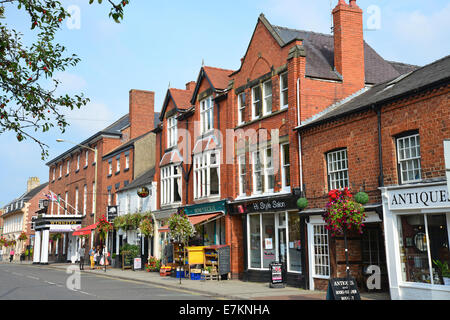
23 236
180 226
103 227
343 213
146 225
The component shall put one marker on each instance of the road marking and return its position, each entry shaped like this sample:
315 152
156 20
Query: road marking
31 277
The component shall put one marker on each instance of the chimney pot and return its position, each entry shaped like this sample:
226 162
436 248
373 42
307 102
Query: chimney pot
190 86
32 183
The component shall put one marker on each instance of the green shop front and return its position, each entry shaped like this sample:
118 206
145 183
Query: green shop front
272 233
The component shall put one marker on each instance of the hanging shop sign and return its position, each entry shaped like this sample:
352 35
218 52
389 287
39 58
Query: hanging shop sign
112 213
419 197
143 192
343 289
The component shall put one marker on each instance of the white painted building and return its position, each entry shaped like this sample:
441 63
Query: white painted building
130 202
416 225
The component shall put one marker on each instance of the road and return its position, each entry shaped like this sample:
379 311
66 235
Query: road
29 282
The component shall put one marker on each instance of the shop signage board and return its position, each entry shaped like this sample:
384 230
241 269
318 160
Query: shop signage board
137 264
112 213
203 208
224 260
276 275
419 197
343 289
269 204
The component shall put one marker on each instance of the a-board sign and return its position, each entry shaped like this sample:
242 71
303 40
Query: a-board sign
276 274
343 289
224 260
137 264
127 262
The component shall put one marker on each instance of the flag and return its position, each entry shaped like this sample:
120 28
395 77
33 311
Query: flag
52 197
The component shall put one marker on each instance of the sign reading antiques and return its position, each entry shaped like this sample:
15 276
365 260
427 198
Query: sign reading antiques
419 197
343 289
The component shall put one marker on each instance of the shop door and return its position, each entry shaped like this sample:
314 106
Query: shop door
282 250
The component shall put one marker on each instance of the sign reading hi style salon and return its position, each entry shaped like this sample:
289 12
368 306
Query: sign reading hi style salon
420 197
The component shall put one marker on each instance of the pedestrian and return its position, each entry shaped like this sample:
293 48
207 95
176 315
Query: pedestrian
99 256
11 255
81 252
91 257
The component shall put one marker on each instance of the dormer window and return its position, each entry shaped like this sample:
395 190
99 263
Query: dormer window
206 115
172 132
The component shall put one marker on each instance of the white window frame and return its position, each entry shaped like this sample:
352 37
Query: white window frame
85 200
168 177
172 131
242 174
256 155
266 96
59 204
206 115
268 171
54 173
409 161
241 107
284 104
255 102
68 166
337 169
110 168
78 162
87 158
118 165
127 161
202 174
284 166
324 250
109 197
76 200
60 170
66 201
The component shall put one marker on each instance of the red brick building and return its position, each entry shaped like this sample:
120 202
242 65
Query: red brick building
83 195
388 138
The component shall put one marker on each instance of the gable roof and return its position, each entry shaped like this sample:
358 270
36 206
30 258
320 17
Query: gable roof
218 79
432 75
181 99
319 49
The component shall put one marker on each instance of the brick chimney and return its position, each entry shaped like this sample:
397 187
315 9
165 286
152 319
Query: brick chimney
190 86
142 112
349 45
32 183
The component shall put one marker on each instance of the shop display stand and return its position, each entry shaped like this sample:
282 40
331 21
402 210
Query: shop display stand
179 257
211 261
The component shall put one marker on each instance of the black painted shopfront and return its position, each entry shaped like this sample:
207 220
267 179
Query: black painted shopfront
273 231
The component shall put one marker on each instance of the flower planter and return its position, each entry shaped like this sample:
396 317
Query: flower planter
446 281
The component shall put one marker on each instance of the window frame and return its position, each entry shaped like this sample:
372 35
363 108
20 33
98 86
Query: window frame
313 251
241 108
403 137
332 181
284 186
242 174
206 115
202 174
265 97
284 104
168 177
172 131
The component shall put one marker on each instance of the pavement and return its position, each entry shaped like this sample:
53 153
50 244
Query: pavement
226 289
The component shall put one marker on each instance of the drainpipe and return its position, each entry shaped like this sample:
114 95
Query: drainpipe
299 138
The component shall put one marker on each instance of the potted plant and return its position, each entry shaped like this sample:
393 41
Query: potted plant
445 271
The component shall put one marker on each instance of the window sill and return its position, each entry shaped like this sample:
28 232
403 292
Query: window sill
424 286
126 169
66 175
78 170
261 118
85 167
262 195
207 199
59 178
320 277
109 175
117 172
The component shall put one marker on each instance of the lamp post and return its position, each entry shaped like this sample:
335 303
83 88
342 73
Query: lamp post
95 175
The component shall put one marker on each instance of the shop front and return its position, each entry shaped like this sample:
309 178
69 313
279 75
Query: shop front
416 222
273 232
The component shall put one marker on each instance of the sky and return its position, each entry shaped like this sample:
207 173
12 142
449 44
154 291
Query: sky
165 42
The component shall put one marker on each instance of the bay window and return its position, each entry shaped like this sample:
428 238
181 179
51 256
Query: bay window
206 115
171 188
206 174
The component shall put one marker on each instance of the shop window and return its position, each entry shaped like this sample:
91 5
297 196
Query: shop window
408 154
321 262
424 244
372 247
268 241
337 169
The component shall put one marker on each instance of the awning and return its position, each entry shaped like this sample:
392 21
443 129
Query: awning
197 220
85 230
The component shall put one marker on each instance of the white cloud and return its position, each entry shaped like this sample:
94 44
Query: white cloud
89 119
